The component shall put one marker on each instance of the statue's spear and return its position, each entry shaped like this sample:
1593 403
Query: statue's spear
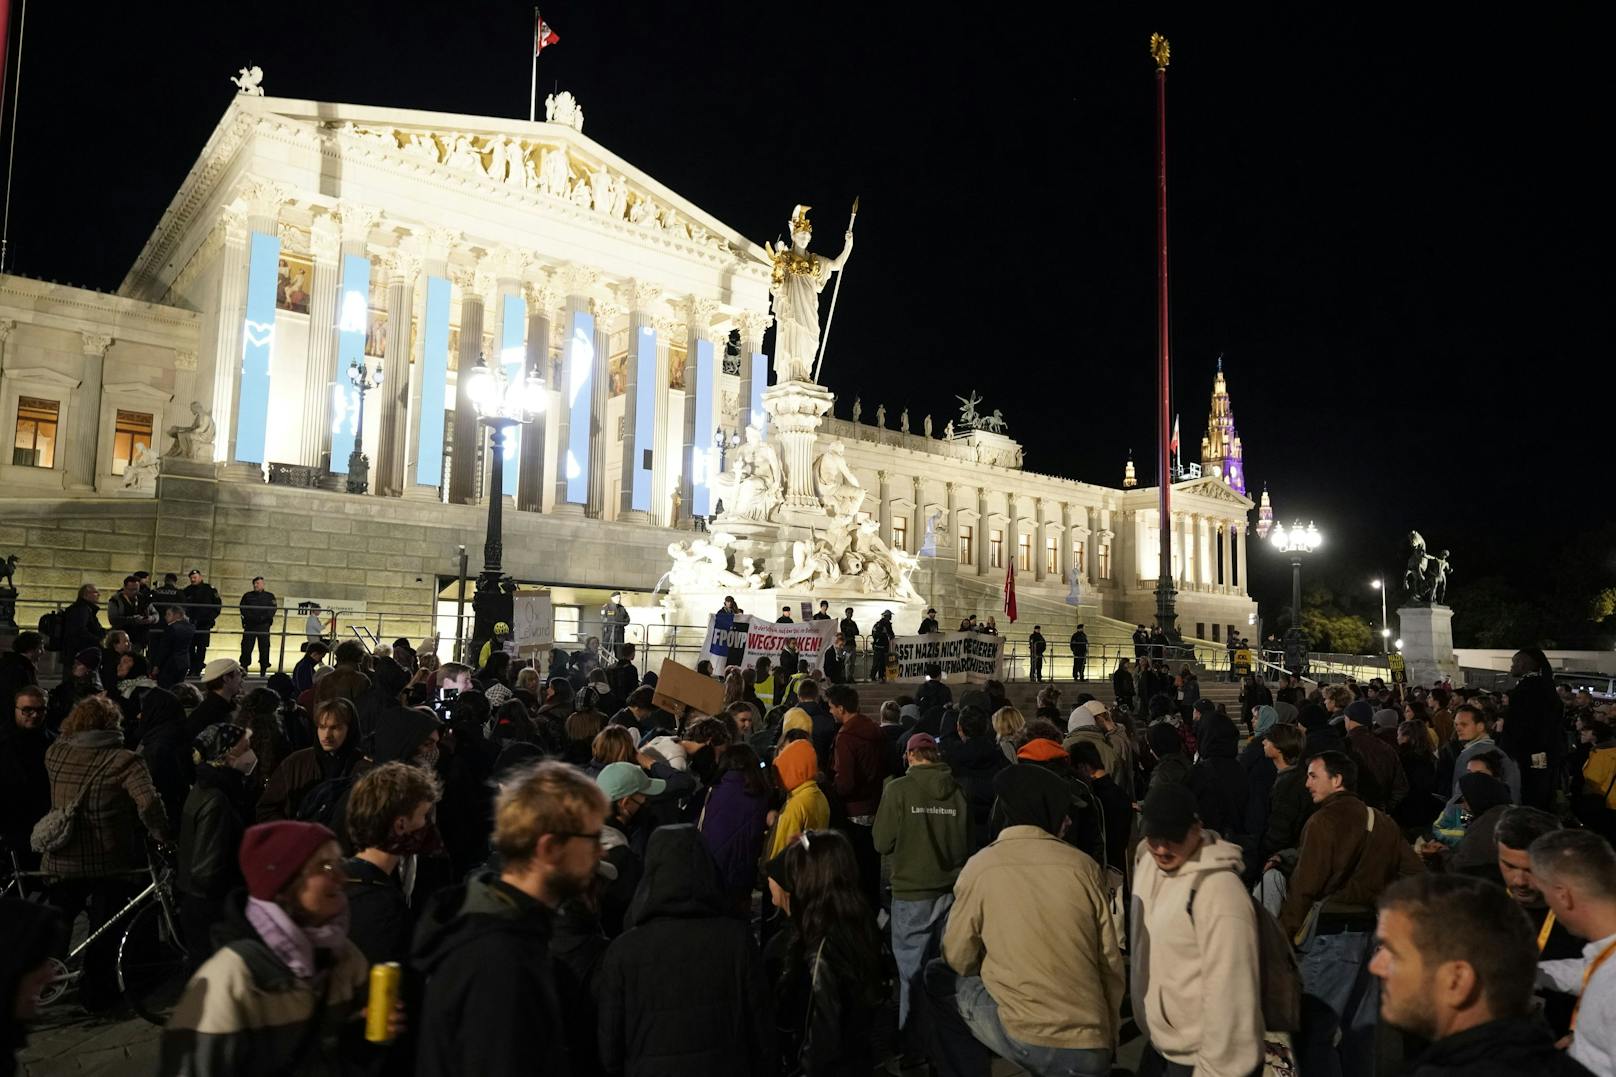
825 339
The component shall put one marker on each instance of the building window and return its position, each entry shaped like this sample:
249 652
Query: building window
132 433
1080 551
900 534
1024 553
1214 632
1050 554
35 443
967 545
566 624
1200 630
1104 558
995 549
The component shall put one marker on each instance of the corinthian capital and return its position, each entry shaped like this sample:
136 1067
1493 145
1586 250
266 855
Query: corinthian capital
357 221
263 198
95 343
325 238
577 279
753 324
644 294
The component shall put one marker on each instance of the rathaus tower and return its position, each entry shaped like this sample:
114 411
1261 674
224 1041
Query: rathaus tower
1221 452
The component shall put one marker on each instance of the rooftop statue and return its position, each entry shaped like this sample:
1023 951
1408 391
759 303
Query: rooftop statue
797 279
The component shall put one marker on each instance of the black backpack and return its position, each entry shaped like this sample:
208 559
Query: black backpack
320 804
50 627
1279 975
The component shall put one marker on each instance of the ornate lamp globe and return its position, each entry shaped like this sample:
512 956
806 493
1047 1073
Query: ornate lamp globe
480 387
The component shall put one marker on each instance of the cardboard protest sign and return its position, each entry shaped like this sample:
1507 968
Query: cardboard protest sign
680 686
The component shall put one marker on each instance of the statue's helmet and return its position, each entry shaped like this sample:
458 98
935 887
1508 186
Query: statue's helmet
800 222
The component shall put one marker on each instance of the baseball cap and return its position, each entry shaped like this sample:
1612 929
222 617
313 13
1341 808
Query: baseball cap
1168 813
619 780
919 741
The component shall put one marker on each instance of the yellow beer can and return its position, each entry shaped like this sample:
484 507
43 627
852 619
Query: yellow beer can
385 980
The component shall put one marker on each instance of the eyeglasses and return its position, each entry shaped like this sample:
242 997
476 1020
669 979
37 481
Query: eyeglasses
30 710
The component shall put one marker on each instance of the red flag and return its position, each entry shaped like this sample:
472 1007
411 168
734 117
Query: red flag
542 34
1010 590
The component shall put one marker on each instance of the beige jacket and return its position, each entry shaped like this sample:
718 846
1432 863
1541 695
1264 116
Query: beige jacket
1052 965
1196 980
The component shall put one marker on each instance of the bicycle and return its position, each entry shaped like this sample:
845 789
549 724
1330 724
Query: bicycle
152 964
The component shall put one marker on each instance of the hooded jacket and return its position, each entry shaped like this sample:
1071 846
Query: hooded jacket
211 826
165 745
734 824
1289 805
1381 779
24 782
923 827
1196 979
1052 966
244 1013
489 1004
710 1018
859 763
299 773
806 807
1217 778
974 761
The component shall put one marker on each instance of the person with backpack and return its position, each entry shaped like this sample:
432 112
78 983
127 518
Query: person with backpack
331 760
1197 989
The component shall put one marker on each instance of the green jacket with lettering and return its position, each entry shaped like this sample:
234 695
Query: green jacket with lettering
922 827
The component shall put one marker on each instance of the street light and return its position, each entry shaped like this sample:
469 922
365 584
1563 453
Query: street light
501 403
1385 625
1296 542
363 379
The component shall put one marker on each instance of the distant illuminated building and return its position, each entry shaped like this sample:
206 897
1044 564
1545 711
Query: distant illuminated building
1222 456
1129 478
1265 514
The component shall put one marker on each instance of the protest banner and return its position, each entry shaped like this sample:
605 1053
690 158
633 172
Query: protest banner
533 629
740 641
968 656
678 686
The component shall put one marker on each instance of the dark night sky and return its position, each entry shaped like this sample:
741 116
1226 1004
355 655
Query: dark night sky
1387 228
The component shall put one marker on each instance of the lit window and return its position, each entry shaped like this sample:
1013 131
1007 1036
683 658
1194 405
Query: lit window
1024 553
900 534
1051 566
35 441
995 549
967 546
566 624
132 433
1080 556
1103 556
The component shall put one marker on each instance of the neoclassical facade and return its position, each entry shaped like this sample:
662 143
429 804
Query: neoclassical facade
314 241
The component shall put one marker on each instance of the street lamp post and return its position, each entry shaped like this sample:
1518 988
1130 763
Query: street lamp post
1385 626
1297 541
501 404
363 379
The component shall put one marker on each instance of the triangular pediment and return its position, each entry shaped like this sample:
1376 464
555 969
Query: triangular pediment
1213 490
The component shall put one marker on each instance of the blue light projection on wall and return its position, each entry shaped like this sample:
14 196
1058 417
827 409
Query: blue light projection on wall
578 394
434 383
760 382
257 345
353 314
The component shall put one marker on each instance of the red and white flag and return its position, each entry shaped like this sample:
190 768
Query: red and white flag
1175 434
542 34
1010 590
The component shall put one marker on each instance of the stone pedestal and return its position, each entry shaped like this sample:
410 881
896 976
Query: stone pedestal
1427 634
796 409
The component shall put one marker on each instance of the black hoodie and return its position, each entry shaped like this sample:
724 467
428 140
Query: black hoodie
165 744
1217 779
490 1003
710 1018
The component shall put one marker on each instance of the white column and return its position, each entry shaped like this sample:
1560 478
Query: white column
950 524
1091 552
981 530
752 324
699 313
474 288
664 464
432 247
1067 535
644 297
917 526
575 282
543 300
1240 539
1040 541
606 315
1191 527
87 413
231 310
883 509
402 267
1012 525
314 444
1226 585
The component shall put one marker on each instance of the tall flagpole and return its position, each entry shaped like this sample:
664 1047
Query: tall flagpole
533 81
1166 614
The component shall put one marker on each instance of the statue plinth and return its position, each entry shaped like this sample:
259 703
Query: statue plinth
1427 635
796 410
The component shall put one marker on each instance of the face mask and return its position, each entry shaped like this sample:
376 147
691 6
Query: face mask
427 757
246 762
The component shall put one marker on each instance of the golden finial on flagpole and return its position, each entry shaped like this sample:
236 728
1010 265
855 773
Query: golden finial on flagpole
1160 51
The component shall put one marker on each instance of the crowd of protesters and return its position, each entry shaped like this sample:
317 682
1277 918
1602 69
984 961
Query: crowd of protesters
577 875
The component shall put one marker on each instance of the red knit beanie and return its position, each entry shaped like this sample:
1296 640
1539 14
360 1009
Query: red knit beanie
272 854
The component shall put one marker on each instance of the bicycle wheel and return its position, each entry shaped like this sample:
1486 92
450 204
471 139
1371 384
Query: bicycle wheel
152 963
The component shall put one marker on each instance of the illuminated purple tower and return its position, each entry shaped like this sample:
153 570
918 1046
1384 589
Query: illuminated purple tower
1221 453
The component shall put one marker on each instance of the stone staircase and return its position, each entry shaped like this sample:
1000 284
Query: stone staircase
1023 695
